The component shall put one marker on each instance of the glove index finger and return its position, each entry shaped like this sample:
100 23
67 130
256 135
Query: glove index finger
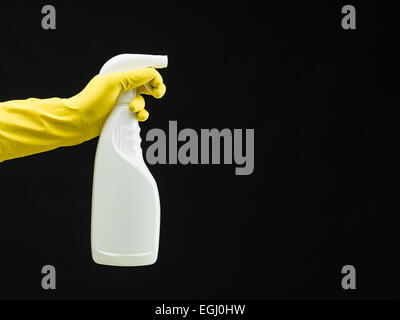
135 78
156 92
157 81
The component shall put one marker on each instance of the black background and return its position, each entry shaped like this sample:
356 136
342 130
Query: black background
324 189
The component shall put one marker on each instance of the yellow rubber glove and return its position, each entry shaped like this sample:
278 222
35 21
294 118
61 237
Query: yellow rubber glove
37 125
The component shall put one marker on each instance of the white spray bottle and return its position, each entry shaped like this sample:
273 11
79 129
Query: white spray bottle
125 201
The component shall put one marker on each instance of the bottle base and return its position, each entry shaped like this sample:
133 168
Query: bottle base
123 260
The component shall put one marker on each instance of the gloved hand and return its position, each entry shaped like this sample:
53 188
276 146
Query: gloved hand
36 125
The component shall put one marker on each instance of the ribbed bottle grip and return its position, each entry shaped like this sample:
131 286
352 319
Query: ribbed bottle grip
127 131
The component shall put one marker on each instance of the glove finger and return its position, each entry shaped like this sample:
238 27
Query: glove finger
142 115
157 81
157 92
128 80
137 104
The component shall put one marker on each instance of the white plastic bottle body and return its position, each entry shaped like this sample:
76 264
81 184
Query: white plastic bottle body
125 223
125 208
